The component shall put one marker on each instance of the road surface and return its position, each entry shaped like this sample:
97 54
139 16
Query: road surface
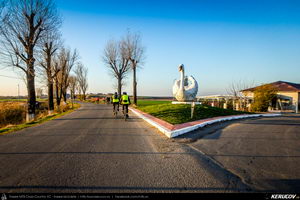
264 153
90 151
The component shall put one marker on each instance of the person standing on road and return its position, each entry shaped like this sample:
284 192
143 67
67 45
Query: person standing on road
125 101
115 100
107 99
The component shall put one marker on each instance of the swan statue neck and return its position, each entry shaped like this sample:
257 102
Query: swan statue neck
181 79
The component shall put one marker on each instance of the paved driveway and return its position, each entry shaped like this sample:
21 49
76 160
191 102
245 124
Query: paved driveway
264 153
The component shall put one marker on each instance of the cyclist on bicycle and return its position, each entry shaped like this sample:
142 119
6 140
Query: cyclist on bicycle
125 101
115 100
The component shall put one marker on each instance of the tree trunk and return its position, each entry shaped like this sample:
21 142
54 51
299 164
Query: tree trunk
50 82
72 98
120 86
72 94
50 97
31 99
60 94
64 93
57 94
134 86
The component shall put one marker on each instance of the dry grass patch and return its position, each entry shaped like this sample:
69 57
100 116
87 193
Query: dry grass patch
12 113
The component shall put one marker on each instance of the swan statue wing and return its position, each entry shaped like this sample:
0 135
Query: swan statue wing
191 89
176 86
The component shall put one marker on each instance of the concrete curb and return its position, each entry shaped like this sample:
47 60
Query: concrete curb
175 130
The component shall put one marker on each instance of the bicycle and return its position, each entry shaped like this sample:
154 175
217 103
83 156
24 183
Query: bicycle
116 111
125 112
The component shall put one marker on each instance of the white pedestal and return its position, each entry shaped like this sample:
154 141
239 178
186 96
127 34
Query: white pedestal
182 102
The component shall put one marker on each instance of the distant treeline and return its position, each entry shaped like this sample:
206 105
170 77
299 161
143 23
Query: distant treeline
13 97
156 97
139 97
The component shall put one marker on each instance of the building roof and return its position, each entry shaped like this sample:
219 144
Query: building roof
282 86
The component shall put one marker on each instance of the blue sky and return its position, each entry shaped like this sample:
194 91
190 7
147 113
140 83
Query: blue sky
219 41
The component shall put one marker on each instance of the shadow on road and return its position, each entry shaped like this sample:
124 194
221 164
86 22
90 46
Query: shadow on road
259 138
93 118
88 134
91 129
118 188
99 153
296 116
251 156
93 109
286 185
276 122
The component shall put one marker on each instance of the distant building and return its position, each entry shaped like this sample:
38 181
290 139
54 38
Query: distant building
90 96
221 101
288 95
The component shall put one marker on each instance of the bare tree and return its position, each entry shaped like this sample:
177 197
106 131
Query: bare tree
23 23
73 85
135 52
39 92
81 76
117 62
79 90
50 45
67 60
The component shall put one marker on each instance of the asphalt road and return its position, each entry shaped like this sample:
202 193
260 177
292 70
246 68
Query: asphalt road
264 153
90 151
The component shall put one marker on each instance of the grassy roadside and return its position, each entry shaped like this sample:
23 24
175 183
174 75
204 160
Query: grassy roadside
178 113
13 128
19 100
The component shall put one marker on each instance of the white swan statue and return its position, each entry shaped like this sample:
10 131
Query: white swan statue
186 88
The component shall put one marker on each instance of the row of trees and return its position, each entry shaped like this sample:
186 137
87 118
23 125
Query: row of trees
30 40
123 56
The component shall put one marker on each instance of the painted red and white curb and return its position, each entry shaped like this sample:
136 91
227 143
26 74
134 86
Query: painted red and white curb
175 130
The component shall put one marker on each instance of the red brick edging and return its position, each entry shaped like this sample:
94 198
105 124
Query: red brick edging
174 130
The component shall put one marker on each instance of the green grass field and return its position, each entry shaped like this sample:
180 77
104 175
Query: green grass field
177 114
142 103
